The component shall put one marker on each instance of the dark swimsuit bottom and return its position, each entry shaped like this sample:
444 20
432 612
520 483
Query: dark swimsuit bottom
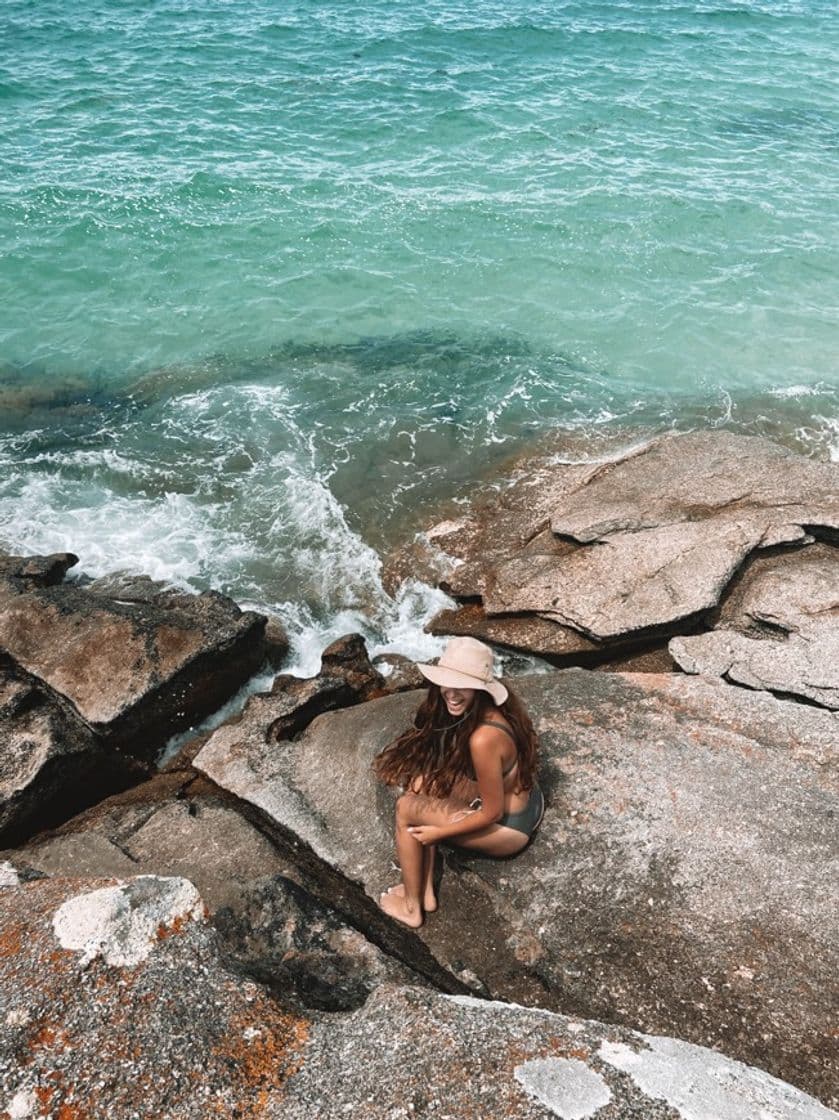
528 819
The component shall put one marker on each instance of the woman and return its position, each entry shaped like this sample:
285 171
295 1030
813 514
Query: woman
468 768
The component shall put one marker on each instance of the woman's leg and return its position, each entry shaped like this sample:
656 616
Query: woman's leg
407 906
429 895
413 808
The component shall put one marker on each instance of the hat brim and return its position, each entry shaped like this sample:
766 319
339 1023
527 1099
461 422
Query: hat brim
453 678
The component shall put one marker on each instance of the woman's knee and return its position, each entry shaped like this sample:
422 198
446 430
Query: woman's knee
406 806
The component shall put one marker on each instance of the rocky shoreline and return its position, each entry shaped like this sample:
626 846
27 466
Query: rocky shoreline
203 939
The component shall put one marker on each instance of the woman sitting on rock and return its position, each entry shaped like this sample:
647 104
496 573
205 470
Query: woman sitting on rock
468 768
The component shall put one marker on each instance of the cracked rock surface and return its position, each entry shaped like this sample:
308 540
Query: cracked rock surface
116 1000
687 852
137 661
569 558
778 631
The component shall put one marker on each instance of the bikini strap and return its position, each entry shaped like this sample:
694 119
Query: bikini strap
502 726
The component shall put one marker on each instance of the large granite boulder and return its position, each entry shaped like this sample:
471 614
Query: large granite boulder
685 858
115 1001
778 630
412 1053
571 559
51 763
272 929
138 661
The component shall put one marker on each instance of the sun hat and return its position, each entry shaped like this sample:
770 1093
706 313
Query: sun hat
466 663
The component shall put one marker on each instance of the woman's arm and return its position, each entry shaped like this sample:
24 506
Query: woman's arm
486 746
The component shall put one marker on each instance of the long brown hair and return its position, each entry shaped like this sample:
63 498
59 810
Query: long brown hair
436 748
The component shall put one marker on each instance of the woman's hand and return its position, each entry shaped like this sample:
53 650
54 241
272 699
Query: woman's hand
426 833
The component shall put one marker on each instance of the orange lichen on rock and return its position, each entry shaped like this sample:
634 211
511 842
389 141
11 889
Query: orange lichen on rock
71 1111
263 1057
10 942
163 931
44 1095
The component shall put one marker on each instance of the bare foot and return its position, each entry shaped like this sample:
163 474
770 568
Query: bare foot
429 902
397 907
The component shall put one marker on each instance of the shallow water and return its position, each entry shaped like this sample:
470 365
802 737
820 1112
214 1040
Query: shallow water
277 279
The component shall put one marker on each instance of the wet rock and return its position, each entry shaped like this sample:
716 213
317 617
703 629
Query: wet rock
682 862
573 558
779 630
116 1002
416 1053
348 659
36 571
51 764
400 673
276 641
138 661
346 677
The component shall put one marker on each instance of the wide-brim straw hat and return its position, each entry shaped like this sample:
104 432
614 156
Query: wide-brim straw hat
466 663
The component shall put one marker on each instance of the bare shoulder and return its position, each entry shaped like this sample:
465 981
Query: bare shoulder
487 737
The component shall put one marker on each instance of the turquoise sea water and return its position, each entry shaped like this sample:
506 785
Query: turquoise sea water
277 277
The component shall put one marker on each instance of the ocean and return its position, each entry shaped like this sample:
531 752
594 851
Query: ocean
278 279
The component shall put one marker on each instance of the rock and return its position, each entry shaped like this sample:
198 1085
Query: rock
627 583
280 935
400 674
682 479
571 558
276 641
347 677
272 929
420 1054
162 827
37 571
348 659
51 764
138 661
779 630
689 836
116 1002
560 645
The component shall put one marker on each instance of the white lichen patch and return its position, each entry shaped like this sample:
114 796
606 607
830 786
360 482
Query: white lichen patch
704 1085
23 1104
8 875
566 1086
122 924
